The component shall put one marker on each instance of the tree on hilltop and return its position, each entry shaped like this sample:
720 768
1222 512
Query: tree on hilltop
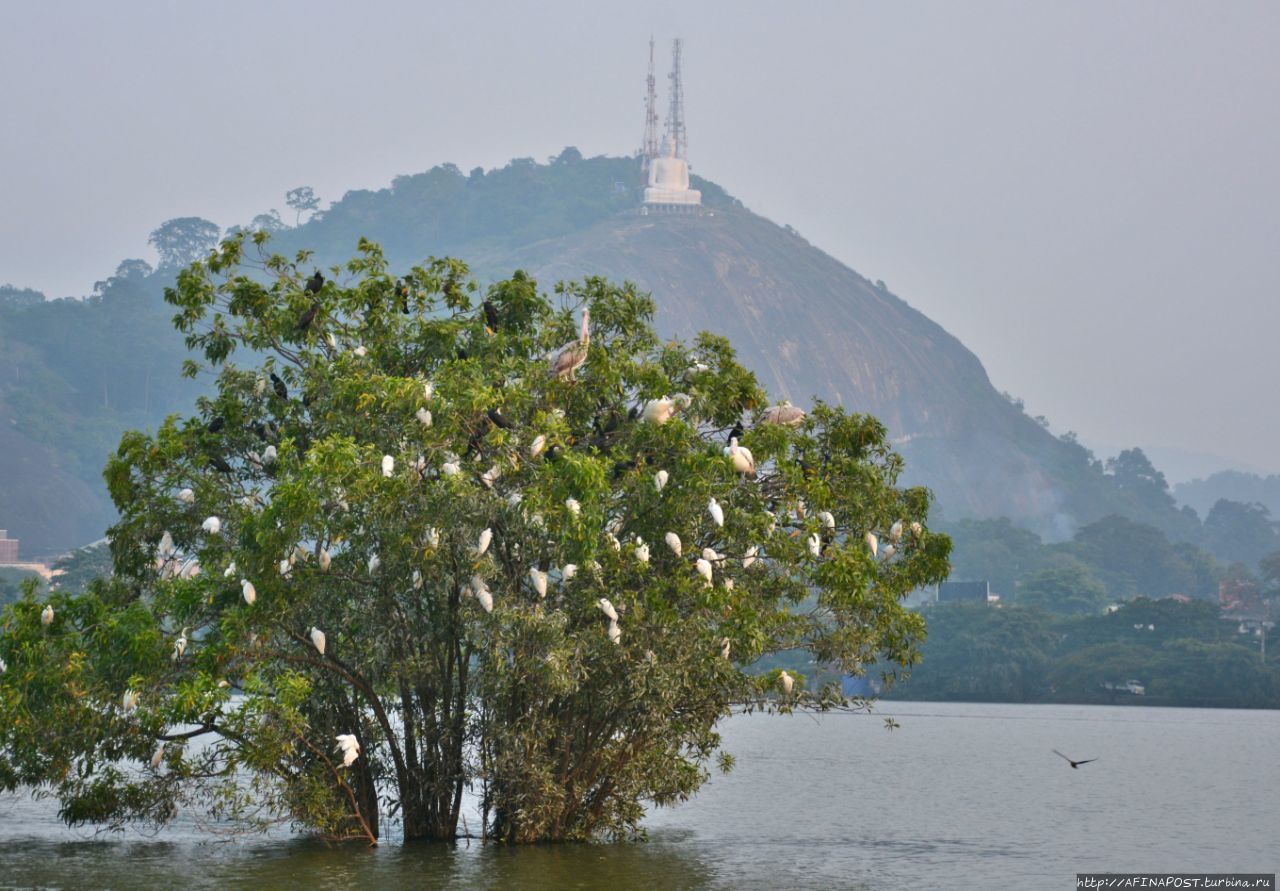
402 554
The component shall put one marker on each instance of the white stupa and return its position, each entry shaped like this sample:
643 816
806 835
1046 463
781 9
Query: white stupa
669 180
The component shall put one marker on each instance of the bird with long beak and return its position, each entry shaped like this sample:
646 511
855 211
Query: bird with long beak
562 363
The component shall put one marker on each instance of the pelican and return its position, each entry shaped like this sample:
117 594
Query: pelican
724 647
247 591
157 757
416 580
46 615
673 542
317 639
872 542
750 557
787 682
179 646
895 531
574 507
716 511
388 465
1075 765
815 544
539 580
349 746
129 701
607 608
449 468
615 633
325 560
642 552
374 562
482 543
490 476
827 520
569 571
270 455
743 461
658 411
784 413
190 569
569 358
704 570
187 496
539 443
423 416
660 479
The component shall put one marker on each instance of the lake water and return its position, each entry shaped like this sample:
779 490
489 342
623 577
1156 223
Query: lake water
961 796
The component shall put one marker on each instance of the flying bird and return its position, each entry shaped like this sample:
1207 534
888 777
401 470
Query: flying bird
569 358
1075 765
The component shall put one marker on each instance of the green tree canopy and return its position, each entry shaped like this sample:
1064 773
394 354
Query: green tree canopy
181 240
1069 588
503 547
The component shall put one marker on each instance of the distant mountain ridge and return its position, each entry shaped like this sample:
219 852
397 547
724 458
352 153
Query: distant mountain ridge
805 323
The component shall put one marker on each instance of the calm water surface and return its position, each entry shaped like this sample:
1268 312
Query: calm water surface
962 796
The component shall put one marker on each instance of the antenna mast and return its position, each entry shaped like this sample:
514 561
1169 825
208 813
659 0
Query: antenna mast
649 149
675 111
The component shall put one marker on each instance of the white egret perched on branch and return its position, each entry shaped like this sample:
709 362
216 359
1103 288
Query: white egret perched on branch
607 608
827 519
325 560
179 646
615 632
658 411
424 417
569 358
317 639
787 682
539 443
704 570
157 757
187 496
539 580
481 592
374 562
784 413
574 507
416 580
917 529
248 592
815 545
673 542
872 542
568 571
724 647
388 465
129 701
482 543
212 525
349 746
895 531
750 556
716 511
660 479
46 615
642 551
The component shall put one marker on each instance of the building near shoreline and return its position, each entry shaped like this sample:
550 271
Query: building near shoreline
8 548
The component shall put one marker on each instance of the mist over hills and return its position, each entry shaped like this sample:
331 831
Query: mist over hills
75 374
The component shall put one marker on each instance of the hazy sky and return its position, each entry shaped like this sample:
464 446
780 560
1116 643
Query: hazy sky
1086 194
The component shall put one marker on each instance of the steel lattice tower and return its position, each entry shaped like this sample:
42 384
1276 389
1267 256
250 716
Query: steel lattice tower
675 110
649 147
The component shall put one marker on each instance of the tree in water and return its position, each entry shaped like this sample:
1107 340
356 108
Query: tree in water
421 546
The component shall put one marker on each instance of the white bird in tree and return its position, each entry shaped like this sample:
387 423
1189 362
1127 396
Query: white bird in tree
569 358
349 746
46 615
483 542
673 542
450 468
179 646
773 523
704 570
212 525
539 580
490 476
157 757
750 557
615 632
482 593
607 608
743 461
660 479
416 580
827 520
895 531
230 571
374 562
872 542
681 402
614 544
917 529
787 682
424 417
539 443
317 639
574 507
724 647
286 568
716 511
325 560
432 538
3 667
187 496
568 571
887 551
388 465
658 411
166 548
248 592
784 413
428 390
190 569
270 455
815 545
129 701
642 551
710 555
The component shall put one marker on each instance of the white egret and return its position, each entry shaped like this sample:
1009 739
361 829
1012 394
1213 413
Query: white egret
916 528
428 390
607 608
450 468
569 358
704 570
724 647
416 580
539 443
187 496
784 413
514 499
179 646
490 476
728 584
716 511
360 351
230 571
710 555
224 683
773 523
574 507
157 757
673 542
815 545
787 682
743 461
286 568
388 465
247 591
432 538
423 416
827 520
129 701
615 632
614 544
802 509
483 542
658 411
165 549
259 386
887 551
325 560
317 639
895 531
539 580
349 746
46 615
374 562
3 667
872 542
642 552
270 455
681 402
482 593
750 556
660 479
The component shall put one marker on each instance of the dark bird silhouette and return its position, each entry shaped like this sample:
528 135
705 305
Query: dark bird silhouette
402 291
304 322
490 315
735 433
278 385
217 424
496 415
315 283
219 465
1075 765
